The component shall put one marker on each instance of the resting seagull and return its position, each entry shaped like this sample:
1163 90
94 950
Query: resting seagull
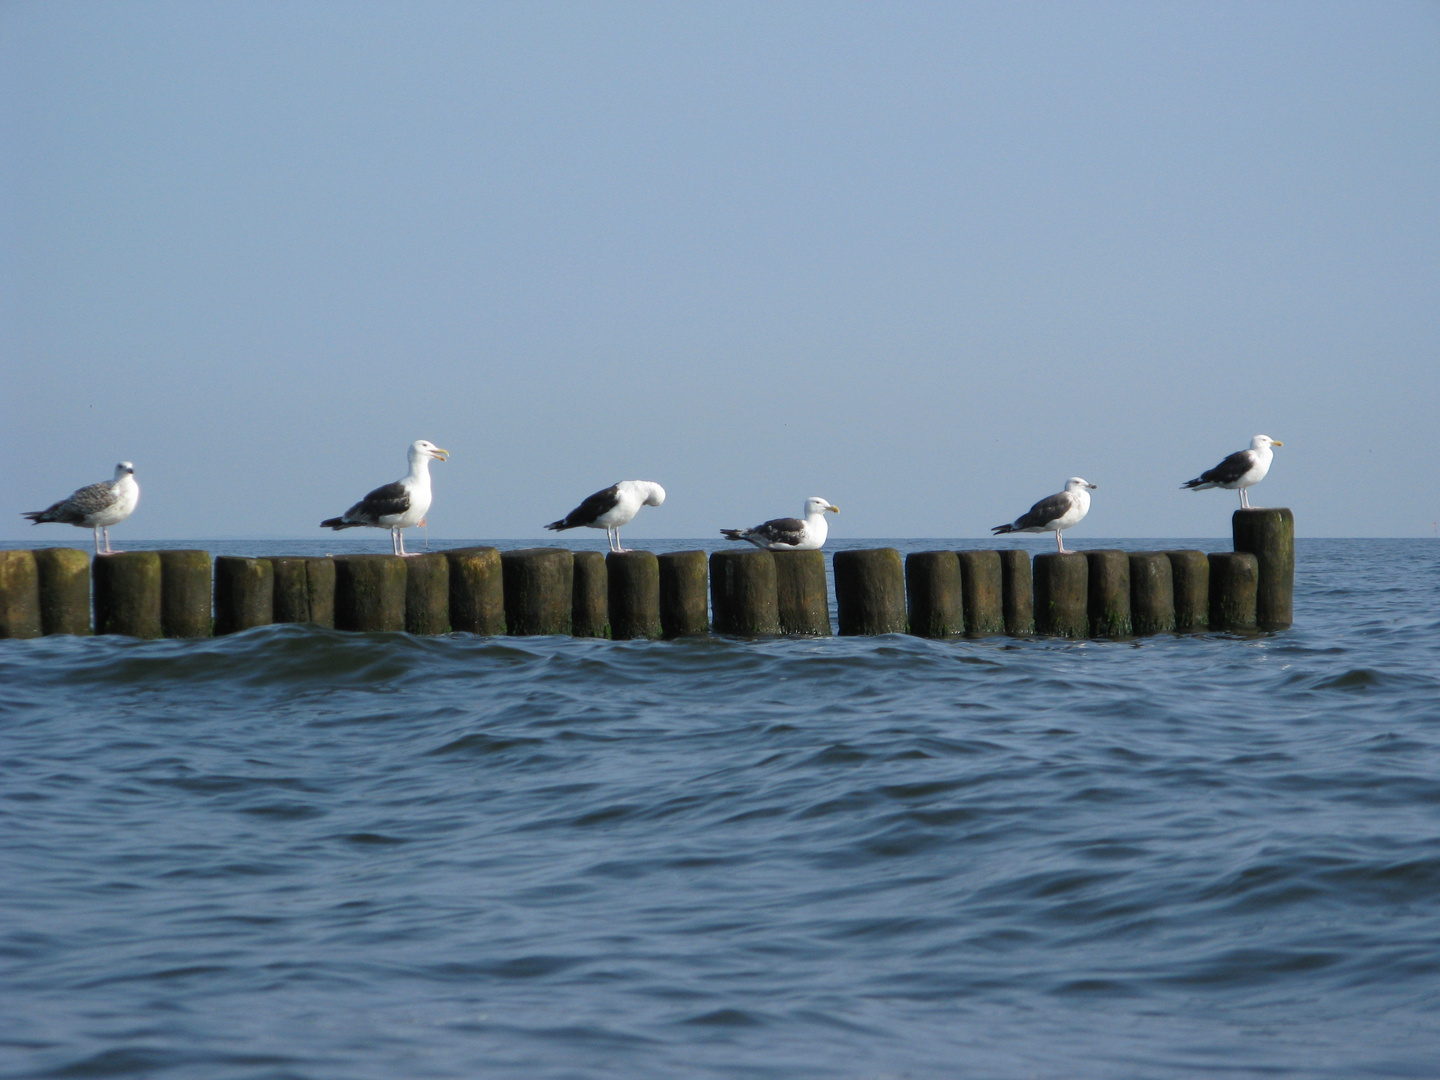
609 509
790 534
96 507
399 505
1241 470
1057 512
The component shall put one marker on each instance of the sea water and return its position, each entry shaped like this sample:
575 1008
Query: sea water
296 853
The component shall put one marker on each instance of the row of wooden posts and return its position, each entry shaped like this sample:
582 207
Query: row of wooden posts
638 594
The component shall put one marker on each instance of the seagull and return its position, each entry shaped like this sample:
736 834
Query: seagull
1242 469
96 507
1057 512
609 509
790 534
399 505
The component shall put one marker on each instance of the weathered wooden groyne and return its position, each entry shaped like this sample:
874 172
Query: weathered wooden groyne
637 594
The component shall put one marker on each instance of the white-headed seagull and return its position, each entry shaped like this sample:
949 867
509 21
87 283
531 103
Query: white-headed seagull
790 534
97 506
399 505
1242 469
1055 513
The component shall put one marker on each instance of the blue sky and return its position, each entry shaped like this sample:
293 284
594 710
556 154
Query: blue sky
925 260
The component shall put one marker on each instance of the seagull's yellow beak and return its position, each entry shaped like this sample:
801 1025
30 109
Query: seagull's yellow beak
833 508
1276 442
443 455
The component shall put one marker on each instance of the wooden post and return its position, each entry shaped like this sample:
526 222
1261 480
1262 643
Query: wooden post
244 593
684 594
320 581
291 603
1062 594
1269 535
304 590
370 592
1190 572
743 592
1109 591
539 583
1018 592
19 595
984 590
870 591
1234 577
427 593
127 594
1152 593
934 593
477 591
64 590
186 587
590 596
634 594
801 594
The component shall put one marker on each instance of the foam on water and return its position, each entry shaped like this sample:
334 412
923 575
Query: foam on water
300 853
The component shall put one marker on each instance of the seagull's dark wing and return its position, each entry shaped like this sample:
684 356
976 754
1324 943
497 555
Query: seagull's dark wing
1045 511
382 502
1228 471
602 502
781 531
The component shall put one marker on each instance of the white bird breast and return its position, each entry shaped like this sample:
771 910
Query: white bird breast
1079 507
127 496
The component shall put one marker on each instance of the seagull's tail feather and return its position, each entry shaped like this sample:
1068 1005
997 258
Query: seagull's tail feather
557 526
1198 484
337 523
59 514
735 534
999 529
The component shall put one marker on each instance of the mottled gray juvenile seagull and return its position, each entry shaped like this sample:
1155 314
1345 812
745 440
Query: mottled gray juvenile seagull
1242 469
1057 512
609 509
96 507
399 505
790 534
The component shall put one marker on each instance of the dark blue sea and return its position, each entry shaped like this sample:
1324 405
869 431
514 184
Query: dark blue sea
295 853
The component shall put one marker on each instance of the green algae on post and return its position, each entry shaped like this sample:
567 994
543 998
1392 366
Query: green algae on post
684 594
935 607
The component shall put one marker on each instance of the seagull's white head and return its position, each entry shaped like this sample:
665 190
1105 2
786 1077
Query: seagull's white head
422 449
124 469
1261 442
1078 483
816 505
656 495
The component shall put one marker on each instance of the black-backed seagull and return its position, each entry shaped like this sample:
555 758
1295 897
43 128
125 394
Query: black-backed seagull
790 534
1054 512
399 505
1242 469
617 505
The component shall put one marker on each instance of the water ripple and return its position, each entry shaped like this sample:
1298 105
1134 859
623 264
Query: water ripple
297 853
